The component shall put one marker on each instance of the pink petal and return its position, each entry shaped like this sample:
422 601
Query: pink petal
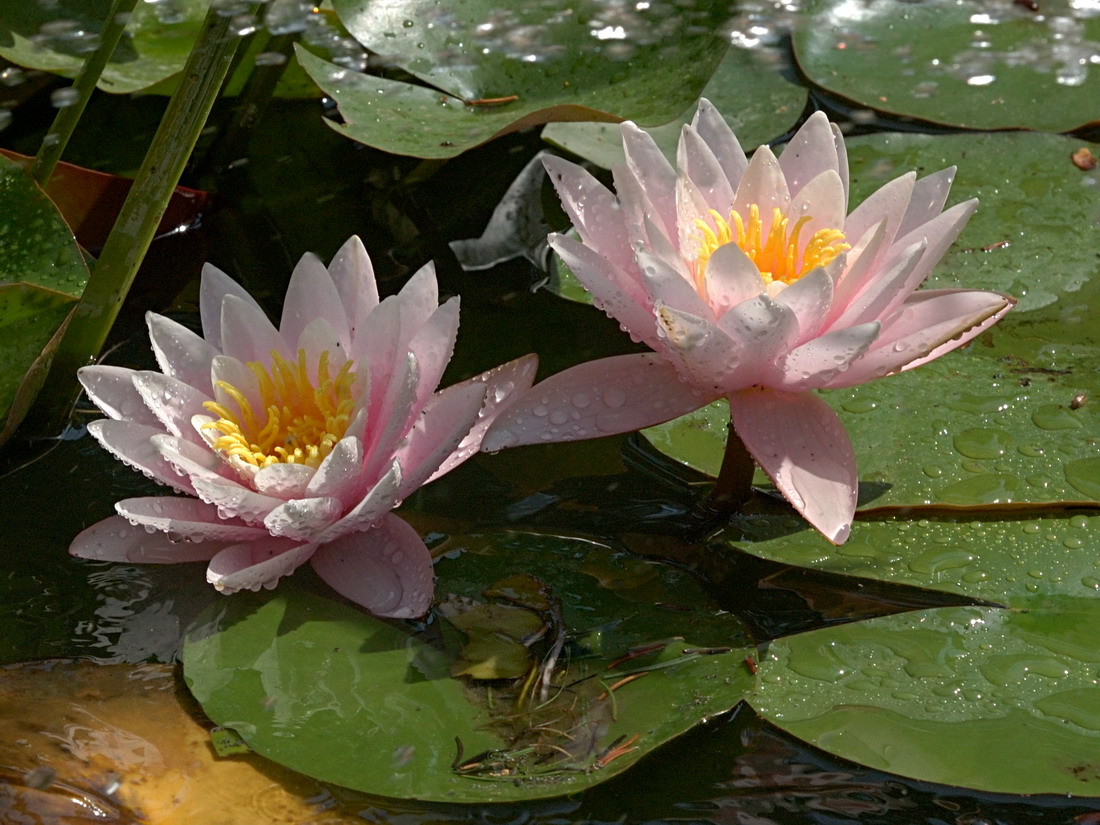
445 421
859 267
822 200
213 288
352 273
626 302
386 569
115 539
702 353
418 299
432 346
339 471
887 204
841 158
940 233
929 196
602 397
255 564
811 151
234 500
714 130
930 322
190 518
591 208
248 335
763 185
503 385
378 501
730 278
285 481
655 177
229 370
881 290
800 443
809 298
669 285
303 518
181 353
112 390
967 336
763 330
191 459
132 444
698 162
310 295
319 337
817 362
375 350
398 412
691 206
172 402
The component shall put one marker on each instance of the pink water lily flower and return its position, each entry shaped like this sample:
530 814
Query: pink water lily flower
750 280
294 444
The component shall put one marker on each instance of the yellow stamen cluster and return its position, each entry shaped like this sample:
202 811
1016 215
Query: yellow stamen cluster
779 256
299 423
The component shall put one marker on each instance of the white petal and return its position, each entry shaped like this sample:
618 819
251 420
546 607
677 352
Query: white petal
188 518
112 390
213 288
303 518
181 353
284 480
310 295
379 500
352 273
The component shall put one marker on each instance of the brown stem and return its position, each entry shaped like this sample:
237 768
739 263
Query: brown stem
734 485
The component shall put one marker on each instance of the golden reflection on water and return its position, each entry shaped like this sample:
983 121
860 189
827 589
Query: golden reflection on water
81 742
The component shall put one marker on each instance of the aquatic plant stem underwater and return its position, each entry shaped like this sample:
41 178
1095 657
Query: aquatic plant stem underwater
750 280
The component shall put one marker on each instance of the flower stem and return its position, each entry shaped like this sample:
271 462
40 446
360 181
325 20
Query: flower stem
83 85
183 121
734 485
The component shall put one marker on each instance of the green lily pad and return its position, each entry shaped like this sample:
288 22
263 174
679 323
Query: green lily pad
637 653
988 67
758 102
1003 420
57 37
992 699
497 70
42 273
1006 559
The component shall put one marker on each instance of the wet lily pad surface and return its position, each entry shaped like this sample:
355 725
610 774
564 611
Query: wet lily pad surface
979 66
562 663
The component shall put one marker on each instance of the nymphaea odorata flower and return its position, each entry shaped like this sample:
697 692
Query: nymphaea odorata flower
750 280
293 444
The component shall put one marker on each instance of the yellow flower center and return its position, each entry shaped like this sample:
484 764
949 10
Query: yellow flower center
780 256
299 422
